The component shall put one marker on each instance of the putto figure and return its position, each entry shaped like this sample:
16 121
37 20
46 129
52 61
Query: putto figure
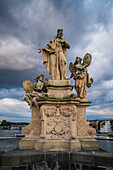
81 76
33 92
54 57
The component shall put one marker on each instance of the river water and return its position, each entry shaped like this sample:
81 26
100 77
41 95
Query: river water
106 145
8 142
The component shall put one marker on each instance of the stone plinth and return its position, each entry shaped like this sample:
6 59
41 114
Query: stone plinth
59 83
59 88
59 124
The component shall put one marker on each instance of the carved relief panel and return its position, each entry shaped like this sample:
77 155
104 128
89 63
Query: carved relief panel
57 121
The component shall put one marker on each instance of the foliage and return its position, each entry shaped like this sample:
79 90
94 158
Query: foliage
5 123
111 122
90 124
99 124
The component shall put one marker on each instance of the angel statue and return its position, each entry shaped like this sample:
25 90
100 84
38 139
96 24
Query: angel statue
80 75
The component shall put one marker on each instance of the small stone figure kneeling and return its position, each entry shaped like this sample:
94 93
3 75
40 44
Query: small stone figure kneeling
33 91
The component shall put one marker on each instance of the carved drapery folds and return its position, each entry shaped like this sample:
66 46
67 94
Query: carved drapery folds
54 57
80 75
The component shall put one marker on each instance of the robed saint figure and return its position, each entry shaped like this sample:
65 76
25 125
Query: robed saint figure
54 57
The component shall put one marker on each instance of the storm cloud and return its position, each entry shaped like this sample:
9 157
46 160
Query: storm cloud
27 25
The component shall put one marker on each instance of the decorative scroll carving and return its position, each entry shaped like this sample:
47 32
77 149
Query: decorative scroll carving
58 127
84 129
58 120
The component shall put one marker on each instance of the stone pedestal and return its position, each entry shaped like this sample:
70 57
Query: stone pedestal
59 122
59 88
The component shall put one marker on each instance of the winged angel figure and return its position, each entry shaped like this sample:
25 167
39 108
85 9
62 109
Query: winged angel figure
80 75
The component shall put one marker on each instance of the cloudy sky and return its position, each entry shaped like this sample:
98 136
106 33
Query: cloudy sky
26 25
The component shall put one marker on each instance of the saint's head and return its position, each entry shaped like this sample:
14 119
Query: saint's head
59 33
39 78
78 60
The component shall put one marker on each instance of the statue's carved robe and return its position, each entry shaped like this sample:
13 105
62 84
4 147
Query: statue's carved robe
55 60
80 76
80 85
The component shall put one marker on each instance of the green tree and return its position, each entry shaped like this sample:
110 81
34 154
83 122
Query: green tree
111 122
99 124
5 123
90 124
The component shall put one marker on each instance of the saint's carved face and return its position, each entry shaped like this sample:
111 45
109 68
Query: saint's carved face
60 34
78 60
41 77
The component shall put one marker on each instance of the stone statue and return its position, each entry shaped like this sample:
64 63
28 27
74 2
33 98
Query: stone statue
39 85
81 76
54 57
58 118
33 91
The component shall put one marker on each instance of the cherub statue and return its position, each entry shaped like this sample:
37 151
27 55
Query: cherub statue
39 85
79 72
33 91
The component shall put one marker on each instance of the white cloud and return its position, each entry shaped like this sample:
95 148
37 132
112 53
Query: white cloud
13 93
17 55
100 111
14 119
14 109
98 43
89 27
108 84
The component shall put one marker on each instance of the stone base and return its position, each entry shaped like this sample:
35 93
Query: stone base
59 88
59 83
59 145
27 143
59 125
62 160
89 144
